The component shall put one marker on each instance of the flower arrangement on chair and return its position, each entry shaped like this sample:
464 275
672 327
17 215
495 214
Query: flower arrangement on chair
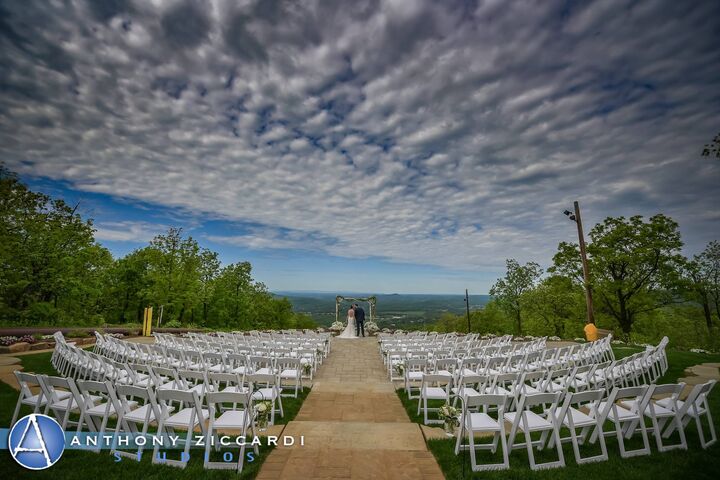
307 368
449 415
263 410
400 369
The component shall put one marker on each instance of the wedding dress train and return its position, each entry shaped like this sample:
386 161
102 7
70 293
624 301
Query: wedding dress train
349 331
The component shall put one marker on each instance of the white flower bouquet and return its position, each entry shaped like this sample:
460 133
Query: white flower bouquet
371 327
400 369
337 327
450 417
263 409
307 368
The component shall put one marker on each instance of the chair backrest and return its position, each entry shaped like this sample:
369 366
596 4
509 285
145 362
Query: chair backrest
262 378
487 400
430 379
26 381
449 364
588 398
532 399
242 399
218 379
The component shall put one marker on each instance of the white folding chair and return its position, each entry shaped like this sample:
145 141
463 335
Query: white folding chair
415 368
234 419
572 417
28 381
432 388
290 370
59 404
626 420
527 421
659 415
97 412
187 418
138 407
481 422
695 407
266 387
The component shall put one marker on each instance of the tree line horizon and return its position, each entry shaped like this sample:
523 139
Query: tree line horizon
54 272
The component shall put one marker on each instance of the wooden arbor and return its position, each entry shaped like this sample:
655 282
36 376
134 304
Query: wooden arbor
372 301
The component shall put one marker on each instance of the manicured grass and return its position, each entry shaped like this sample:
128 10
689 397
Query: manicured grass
694 463
74 464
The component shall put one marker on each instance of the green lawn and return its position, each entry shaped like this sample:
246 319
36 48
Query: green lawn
694 463
103 465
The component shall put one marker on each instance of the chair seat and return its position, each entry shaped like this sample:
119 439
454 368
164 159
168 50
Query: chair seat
622 413
579 419
182 418
446 373
32 401
694 411
465 392
483 421
264 371
138 415
435 393
289 373
660 411
241 369
171 385
99 410
217 368
235 389
415 375
534 421
232 419
267 393
63 404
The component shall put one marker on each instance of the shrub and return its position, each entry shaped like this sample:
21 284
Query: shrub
173 324
78 334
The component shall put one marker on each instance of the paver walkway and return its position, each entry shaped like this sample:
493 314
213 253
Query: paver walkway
354 425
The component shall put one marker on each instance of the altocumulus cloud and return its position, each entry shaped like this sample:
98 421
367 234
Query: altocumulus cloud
450 133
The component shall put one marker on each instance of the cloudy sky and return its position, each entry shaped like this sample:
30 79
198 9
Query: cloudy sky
384 146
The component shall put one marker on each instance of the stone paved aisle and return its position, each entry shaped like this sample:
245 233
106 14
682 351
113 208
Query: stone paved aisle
354 425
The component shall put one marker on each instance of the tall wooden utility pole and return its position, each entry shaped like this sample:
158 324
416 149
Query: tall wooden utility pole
586 269
467 308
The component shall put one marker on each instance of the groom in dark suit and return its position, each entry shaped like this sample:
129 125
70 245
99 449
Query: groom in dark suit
359 320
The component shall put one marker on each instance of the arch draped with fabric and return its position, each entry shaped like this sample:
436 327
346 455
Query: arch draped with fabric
371 300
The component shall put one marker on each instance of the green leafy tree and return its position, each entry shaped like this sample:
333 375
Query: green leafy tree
634 265
174 270
209 268
519 279
555 303
703 275
50 266
128 287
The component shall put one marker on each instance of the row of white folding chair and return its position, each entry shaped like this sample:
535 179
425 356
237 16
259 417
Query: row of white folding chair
96 402
86 365
222 362
626 408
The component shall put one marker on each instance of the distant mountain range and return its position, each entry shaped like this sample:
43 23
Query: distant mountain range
395 309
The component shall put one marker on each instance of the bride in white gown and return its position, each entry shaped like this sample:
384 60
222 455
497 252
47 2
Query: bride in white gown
349 331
